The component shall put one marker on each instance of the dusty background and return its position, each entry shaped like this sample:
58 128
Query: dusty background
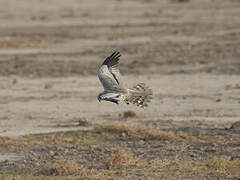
50 51
187 52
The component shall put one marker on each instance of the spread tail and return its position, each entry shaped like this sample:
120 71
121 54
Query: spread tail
140 95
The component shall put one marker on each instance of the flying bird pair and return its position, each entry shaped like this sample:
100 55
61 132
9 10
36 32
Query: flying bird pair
114 91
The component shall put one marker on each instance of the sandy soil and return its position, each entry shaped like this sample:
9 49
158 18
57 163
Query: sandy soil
50 52
54 104
188 53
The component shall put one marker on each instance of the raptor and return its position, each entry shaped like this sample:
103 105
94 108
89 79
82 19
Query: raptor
114 90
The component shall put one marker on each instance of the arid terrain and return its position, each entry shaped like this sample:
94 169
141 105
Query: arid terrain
51 123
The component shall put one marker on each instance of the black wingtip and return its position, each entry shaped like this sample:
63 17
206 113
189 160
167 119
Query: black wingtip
113 59
115 54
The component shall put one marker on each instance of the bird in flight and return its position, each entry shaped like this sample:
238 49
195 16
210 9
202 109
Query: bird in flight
114 91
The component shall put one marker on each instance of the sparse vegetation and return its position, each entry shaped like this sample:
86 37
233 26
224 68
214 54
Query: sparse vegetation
186 50
119 158
59 168
224 165
84 122
235 125
117 150
138 132
129 114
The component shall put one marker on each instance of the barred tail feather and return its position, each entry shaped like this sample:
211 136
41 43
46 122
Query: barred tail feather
140 95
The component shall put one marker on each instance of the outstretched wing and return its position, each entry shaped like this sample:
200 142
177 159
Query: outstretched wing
109 74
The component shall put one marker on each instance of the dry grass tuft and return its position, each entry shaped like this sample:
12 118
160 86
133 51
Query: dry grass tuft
136 131
184 135
60 168
11 145
235 126
129 114
84 122
3 139
232 86
120 158
224 165
48 85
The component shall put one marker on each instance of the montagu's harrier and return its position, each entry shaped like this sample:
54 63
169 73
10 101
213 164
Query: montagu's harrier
114 90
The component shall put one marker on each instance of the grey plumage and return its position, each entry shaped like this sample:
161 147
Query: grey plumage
114 91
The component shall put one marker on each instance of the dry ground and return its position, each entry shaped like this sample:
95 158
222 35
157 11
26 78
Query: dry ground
51 125
122 151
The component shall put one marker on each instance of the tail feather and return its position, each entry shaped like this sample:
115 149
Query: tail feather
139 95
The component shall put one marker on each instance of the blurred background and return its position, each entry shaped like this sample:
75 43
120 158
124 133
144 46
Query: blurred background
41 38
186 51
